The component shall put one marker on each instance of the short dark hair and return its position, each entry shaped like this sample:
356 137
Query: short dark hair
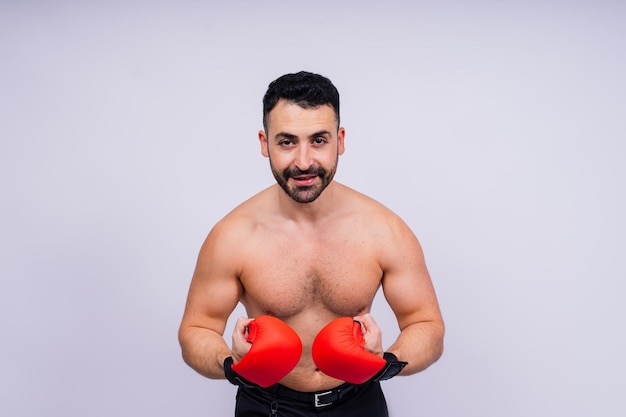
303 88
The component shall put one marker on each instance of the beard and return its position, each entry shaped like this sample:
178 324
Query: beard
308 193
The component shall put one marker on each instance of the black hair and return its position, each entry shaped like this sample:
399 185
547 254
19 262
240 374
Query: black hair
305 89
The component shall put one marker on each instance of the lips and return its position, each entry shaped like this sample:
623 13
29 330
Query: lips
304 180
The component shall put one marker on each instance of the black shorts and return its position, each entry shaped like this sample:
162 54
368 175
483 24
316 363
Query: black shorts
347 400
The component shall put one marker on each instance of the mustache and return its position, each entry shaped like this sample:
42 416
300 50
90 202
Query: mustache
295 172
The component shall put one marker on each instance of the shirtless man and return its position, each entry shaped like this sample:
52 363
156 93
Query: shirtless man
308 250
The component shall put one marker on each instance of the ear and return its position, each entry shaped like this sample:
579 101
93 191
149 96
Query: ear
341 135
263 141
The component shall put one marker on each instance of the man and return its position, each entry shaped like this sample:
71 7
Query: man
309 251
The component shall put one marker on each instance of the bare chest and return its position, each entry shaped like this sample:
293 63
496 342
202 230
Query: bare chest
285 276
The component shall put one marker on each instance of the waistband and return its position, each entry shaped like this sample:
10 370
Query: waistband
320 398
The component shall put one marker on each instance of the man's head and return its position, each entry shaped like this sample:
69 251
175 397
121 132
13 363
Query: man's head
301 135
305 89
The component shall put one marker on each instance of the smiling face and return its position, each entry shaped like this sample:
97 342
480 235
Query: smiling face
303 146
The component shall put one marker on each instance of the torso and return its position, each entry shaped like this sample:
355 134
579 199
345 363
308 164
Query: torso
309 274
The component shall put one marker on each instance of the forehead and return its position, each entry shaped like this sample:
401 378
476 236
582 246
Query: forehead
289 116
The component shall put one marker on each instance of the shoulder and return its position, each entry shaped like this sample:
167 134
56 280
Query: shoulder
385 229
374 213
236 226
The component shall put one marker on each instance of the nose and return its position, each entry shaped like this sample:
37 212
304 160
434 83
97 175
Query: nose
303 158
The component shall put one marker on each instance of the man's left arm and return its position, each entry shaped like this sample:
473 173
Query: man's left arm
408 289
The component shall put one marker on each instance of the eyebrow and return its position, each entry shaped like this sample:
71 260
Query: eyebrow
291 136
320 133
285 135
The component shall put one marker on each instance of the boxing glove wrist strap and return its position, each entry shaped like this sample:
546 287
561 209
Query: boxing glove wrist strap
234 378
391 369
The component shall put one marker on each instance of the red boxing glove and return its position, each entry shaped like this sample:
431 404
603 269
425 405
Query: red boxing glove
338 351
276 350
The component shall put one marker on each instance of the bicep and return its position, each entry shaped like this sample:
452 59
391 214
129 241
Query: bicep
215 288
407 285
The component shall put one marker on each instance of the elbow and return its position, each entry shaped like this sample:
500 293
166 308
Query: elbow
438 351
439 344
183 341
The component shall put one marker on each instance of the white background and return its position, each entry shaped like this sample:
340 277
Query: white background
494 128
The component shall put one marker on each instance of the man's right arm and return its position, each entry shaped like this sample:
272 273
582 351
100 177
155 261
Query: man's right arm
214 293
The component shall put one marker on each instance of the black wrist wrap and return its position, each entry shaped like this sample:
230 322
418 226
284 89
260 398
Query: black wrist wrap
391 369
233 377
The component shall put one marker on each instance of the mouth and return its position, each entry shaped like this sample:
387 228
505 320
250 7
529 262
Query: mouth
304 180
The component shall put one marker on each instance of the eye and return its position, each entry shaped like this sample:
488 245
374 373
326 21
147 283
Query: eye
319 140
285 142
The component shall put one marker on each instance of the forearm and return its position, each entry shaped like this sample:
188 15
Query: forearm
204 350
419 344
